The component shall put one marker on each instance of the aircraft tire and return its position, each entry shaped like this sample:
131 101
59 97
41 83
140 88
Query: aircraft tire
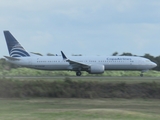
78 73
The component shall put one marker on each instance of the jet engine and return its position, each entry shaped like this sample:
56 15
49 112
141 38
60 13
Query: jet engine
96 69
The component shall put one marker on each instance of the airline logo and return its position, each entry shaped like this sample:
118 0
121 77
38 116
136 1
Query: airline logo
18 51
14 48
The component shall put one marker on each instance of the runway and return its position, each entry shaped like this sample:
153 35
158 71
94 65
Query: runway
78 77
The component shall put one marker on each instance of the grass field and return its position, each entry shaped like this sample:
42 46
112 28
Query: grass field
79 109
99 79
117 79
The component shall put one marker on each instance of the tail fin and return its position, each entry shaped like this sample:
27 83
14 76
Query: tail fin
14 48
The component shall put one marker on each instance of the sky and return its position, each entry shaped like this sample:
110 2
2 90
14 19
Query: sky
87 27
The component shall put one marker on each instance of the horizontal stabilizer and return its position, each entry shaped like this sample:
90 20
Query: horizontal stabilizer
11 58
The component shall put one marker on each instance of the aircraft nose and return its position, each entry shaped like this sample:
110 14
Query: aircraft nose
154 64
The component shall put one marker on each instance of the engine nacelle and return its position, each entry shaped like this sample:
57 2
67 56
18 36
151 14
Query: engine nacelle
96 69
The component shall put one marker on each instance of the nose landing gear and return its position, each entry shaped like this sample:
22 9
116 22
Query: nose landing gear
143 72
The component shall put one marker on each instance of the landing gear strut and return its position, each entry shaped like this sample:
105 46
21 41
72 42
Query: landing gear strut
141 74
78 73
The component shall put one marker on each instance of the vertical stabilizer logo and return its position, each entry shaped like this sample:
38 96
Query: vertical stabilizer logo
18 51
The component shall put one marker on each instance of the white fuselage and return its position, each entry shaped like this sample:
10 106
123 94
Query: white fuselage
110 62
93 65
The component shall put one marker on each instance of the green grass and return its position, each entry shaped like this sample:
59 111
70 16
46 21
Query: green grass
116 79
79 109
129 80
33 72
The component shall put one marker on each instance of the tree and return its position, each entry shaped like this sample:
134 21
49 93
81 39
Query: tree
50 54
76 54
37 53
126 54
115 54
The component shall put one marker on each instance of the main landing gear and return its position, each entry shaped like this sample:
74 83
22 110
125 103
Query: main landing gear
78 73
141 74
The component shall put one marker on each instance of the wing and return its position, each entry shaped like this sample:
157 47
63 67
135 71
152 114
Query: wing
74 64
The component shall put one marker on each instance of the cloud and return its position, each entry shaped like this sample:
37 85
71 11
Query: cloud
82 26
111 11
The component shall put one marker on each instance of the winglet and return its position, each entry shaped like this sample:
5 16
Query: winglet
63 55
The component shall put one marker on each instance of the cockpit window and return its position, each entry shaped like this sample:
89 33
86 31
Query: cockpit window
147 60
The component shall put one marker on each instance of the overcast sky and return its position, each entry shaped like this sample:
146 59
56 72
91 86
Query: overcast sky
87 27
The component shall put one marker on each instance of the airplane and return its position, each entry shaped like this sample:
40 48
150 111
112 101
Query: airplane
92 65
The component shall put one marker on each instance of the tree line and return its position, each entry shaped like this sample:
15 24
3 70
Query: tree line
150 57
